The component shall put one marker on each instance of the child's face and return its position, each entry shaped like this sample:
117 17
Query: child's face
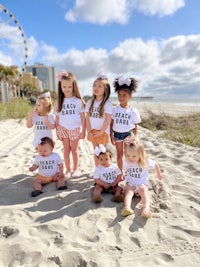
67 88
132 155
39 107
123 97
104 160
44 150
98 88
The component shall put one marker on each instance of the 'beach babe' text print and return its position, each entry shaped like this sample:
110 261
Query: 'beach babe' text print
135 172
68 109
40 125
46 164
122 118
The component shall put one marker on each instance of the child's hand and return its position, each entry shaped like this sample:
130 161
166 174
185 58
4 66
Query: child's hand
112 139
160 176
31 169
82 135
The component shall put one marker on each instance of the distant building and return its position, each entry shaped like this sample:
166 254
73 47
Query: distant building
44 74
28 78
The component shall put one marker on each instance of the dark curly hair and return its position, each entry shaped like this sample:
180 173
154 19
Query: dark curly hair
130 88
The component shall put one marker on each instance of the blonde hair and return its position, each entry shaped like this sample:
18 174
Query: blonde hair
137 146
105 97
46 102
68 77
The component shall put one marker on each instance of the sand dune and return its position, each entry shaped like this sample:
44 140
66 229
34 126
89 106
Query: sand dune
67 229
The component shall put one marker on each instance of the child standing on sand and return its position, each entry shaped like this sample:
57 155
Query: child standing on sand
70 119
98 113
124 117
41 118
136 166
50 167
107 175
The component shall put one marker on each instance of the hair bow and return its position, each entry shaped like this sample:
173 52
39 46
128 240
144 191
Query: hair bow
102 75
123 80
47 94
130 140
61 74
99 149
37 142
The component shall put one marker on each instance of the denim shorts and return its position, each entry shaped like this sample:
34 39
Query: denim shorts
121 136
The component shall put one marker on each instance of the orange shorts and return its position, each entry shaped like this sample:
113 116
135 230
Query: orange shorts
102 139
65 133
44 179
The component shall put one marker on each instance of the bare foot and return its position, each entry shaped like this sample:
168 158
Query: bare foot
146 213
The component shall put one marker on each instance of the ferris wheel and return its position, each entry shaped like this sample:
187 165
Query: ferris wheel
13 44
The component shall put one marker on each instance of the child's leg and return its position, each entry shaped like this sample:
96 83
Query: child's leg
119 148
37 184
75 154
61 184
118 195
97 193
66 153
127 203
143 192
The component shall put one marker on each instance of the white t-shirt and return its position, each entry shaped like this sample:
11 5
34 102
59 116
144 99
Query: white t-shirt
41 129
125 119
136 175
48 166
69 116
95 121
107 174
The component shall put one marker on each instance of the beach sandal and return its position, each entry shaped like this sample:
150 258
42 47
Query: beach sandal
97 199
146 214
126 212
36 193
62 187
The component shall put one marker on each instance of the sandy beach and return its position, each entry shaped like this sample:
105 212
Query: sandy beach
66 229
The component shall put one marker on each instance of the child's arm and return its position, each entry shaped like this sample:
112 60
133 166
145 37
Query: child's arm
50 125
105 124
29 122
87 121
158 172
111 132
83 124
33 168
135 130
117 180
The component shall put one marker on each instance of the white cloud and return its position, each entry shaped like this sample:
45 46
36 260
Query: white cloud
99 12
119 11
158 7
162 68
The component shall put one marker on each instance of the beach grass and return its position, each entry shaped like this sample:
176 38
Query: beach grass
182 129
17 108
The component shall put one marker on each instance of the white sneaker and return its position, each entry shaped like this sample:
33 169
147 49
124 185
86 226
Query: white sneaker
67 175
76 173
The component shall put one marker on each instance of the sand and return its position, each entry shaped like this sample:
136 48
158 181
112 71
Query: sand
67 229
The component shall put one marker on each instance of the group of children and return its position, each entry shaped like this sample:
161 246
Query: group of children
72 118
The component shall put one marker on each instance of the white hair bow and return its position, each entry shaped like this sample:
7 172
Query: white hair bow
99 149
102 75
37 142
47 94
123 80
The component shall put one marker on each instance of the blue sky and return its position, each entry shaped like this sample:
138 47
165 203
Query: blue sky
156 41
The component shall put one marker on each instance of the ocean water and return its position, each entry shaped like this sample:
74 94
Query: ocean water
191 101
